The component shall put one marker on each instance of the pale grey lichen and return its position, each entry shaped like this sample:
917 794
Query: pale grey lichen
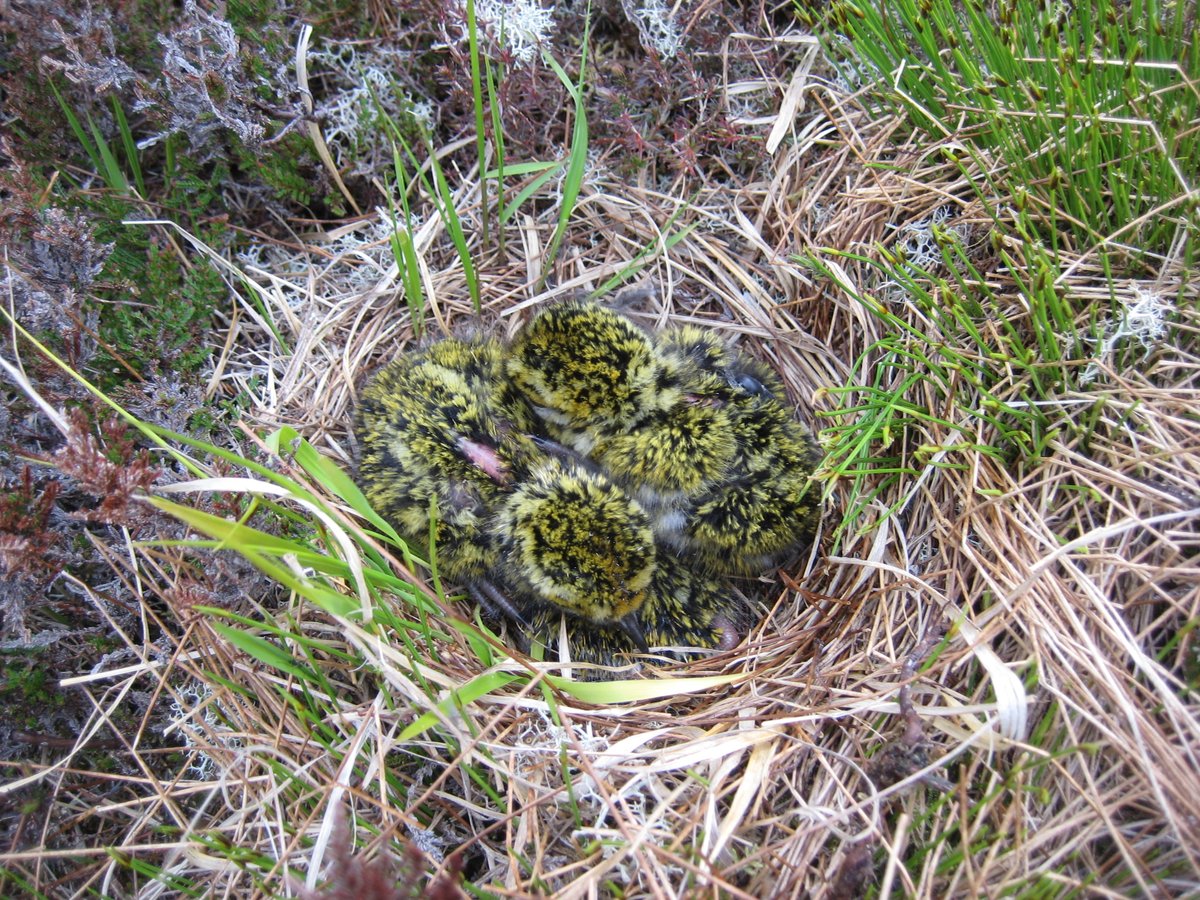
656 27
359 91
1142 318
98 71
520 26
206 85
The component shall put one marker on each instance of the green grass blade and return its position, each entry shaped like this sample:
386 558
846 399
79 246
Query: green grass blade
129 145
443 200
605 693
77 128
530 189
527 168
480 131
261 649
467 694
454 226
228 533
577 159
493 97
647 253
404 251
249 542
110 169
328 474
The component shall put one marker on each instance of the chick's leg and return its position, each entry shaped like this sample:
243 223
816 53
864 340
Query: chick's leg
493 601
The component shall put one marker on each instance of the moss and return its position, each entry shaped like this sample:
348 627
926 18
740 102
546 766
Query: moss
262 24
27 691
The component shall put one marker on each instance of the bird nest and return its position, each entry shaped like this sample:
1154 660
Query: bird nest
978 675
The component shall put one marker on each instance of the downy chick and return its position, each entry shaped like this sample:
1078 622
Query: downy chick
569 540
428 438
587 371
682 609
601 388
765 506
519 528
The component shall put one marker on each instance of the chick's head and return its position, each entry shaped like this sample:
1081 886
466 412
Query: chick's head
698 353
571 538
586 368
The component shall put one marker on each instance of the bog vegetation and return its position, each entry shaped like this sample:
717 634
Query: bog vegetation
963 234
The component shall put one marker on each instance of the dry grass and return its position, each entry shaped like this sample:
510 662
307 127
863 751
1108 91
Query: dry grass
984 684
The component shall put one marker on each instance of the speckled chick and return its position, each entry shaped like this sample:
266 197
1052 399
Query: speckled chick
569 540
602 389
481 361
682 610
765 507
587 371
430 436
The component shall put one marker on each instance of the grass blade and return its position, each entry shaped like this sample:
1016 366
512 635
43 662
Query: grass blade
577 158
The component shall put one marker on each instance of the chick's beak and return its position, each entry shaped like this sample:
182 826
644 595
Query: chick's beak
632 627
485 458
